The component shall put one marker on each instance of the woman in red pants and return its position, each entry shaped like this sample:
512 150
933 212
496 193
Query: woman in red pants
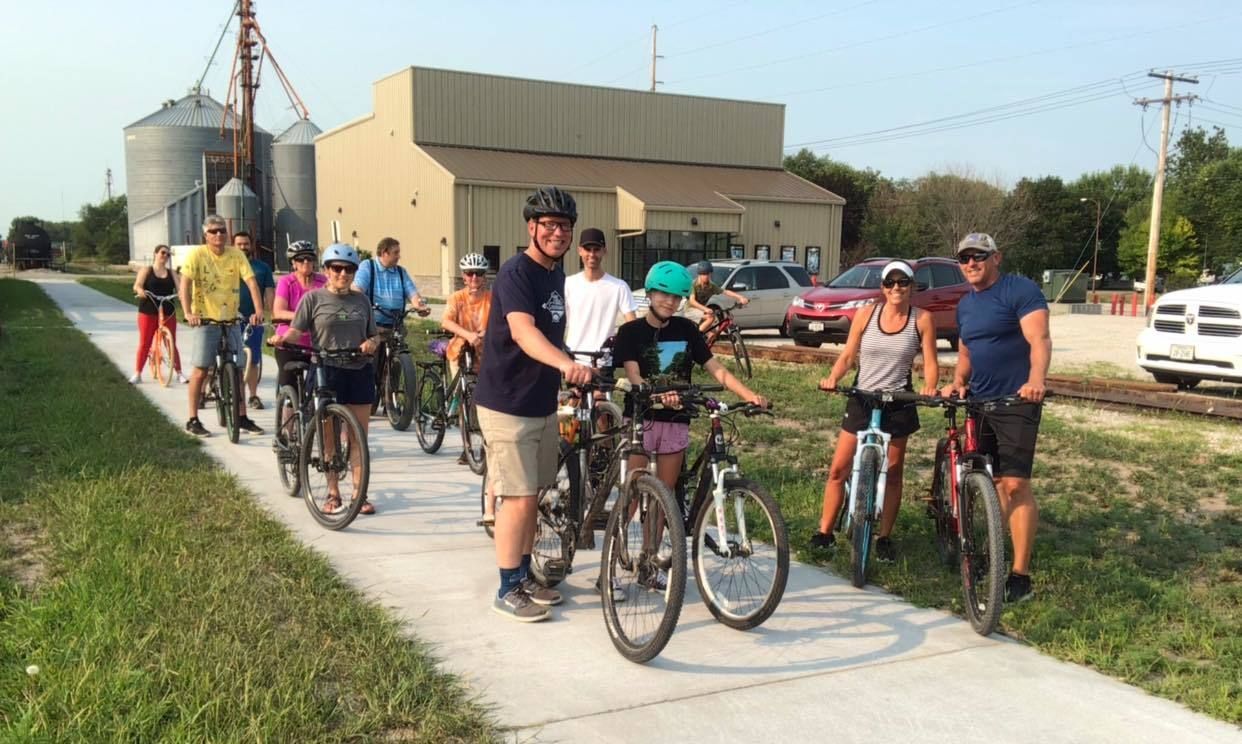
159 279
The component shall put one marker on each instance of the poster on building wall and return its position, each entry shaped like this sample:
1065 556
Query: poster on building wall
763 252
737 251
812 260
789 253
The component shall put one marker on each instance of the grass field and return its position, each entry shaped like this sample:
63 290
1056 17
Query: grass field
157 600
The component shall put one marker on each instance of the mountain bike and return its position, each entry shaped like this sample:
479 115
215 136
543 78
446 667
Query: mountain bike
294 408
223 382
740 545
724 326
163 350
439 400
395 373
860 514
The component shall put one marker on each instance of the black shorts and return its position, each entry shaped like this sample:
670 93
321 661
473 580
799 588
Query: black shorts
286 355
899 420
1007 435
355 387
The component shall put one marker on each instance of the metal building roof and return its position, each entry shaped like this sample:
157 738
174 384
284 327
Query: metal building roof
194 110
669 185
303 132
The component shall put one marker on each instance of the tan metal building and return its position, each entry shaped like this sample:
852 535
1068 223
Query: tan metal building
446 160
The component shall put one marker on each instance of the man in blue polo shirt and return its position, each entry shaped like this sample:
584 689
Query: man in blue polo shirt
387 284
254 334
1005 350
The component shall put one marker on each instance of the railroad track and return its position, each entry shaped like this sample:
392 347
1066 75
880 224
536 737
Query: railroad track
1103 391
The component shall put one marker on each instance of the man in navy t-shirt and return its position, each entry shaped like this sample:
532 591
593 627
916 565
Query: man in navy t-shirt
1005 349
523 361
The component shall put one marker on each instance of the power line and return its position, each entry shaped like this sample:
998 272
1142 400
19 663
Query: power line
774 29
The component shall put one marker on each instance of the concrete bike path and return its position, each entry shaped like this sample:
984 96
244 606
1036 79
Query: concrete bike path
833 663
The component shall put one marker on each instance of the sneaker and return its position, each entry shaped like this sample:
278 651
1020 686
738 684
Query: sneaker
885 551
255 403
245 424
823 541
540 594
1018 589
195 427
135 378
656 582
618 593
518 605
182 379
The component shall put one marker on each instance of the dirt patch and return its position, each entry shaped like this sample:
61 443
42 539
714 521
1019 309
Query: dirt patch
794 425
1138 426
1214 505
23 554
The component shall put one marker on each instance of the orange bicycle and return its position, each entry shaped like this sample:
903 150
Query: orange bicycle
163 350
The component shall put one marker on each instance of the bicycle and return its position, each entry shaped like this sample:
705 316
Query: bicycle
163 351
293 409
395 373
224 381
864 492
725 326
438 402
740 579
330 441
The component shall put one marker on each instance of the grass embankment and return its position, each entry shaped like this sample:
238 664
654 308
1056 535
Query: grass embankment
159 602
1138 561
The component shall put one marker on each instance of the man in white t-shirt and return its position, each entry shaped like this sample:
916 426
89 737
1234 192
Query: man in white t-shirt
594 298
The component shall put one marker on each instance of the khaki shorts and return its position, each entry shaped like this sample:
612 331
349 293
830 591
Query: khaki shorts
521 452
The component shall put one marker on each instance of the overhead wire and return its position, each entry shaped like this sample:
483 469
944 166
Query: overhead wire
772 30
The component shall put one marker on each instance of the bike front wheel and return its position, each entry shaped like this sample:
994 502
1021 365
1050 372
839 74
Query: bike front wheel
335 465
741 355
230 385
741 569
400 392
163 361
644 569
863 517
429 419
287 443
982 552
471 434
552 557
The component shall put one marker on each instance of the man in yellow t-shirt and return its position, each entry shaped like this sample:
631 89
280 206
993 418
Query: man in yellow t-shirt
210 278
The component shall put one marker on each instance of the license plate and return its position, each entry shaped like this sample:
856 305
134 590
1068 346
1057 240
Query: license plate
1182 353
815 327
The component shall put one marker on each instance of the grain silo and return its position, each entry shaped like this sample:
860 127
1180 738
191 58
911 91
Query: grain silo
239 207
293 186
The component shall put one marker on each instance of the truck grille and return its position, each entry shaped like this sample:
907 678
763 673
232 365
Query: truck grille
1215 311
1170 326
1220 330
1171 310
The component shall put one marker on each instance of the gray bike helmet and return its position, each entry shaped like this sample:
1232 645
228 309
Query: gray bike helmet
703 267
300 248
549 201
340 253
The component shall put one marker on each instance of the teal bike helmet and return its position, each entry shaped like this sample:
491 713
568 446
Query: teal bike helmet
669 277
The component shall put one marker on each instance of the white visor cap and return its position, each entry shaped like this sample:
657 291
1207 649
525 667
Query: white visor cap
901 266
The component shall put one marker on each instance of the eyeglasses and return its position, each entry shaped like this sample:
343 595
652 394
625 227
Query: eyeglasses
217 231
550 226
890 283
473 274
338 268
592 248
965 258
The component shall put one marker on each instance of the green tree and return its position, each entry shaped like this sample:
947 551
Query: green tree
103 231
1117 190
854 185
1178 252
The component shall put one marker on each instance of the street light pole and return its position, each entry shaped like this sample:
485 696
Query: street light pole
1095 261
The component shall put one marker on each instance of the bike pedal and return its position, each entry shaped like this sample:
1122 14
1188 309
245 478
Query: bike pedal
555 569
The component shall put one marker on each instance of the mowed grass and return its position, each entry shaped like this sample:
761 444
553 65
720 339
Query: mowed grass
158 601
1138 560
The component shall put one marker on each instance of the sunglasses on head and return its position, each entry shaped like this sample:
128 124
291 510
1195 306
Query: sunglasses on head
217 231
338 268
965 258
898 282
475 274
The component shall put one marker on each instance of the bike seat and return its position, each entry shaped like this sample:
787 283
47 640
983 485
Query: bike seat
296 366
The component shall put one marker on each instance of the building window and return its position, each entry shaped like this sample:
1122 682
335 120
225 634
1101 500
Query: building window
640 252
789 253
737 251
492 254
811 256
763 252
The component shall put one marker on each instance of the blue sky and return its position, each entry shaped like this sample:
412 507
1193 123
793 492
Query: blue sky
76 75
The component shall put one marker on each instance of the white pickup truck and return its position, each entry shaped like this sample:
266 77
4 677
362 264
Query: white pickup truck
1195 334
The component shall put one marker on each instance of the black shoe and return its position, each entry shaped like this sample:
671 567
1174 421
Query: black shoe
245 424
885 551
1018 589
195 427
823 541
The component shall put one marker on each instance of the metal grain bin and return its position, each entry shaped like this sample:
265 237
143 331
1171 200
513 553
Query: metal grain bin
239 207
293 186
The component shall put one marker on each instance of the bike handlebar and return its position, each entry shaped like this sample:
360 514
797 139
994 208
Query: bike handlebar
160 298
931 401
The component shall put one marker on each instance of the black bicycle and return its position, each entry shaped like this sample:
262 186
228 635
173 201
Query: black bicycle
440 400
294 408
223 381
395 372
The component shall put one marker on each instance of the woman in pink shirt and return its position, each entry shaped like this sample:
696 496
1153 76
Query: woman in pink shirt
289 292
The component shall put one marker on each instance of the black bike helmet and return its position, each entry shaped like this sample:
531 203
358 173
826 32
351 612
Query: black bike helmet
703 267
549 201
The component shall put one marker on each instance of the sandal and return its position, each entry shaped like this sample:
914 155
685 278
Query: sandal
488 520
332 505
367 508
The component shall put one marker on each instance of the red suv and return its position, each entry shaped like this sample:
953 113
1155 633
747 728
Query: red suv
824 313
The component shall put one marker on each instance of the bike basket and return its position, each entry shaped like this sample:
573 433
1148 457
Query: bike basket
439 347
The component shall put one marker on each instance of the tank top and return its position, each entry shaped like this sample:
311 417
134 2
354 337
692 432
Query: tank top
156 285
885 359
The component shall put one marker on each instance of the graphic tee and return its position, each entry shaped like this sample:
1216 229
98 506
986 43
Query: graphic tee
336 322
263 277
216 279
988 323
468 313
593 308
292 290
510 381
664 355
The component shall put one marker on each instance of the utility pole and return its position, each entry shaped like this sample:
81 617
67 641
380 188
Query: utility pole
1095 262
108 185
654 31
1157 195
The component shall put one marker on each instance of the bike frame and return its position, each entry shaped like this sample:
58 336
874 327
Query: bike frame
714 465
723 324
873 437
961 455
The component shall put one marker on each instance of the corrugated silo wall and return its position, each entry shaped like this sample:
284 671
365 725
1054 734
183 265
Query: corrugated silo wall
293 195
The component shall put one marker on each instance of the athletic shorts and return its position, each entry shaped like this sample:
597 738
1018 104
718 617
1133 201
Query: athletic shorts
203 342
521 451
1008 435
665 437
898 420
254 342
354 387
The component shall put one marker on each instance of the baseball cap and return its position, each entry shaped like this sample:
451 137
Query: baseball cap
901 266
977 242
592 235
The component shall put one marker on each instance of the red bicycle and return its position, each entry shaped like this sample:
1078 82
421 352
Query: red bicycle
725 326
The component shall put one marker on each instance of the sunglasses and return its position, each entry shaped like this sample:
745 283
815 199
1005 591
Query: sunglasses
592 248
217 231
966 258
300 259
475 274
890 283
339 268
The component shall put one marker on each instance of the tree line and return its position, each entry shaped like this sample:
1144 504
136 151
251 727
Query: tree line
101 231
1046 222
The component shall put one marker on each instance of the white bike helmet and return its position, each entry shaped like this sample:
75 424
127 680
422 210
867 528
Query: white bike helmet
300 248
341 253
473 262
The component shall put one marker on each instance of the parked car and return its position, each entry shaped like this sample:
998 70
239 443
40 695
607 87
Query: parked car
768 285
1195 334
824 313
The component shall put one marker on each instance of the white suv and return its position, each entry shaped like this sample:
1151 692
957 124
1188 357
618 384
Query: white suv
1195 334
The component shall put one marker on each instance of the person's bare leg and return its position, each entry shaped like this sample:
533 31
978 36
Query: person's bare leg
838 474
1018 503
893 485
197 376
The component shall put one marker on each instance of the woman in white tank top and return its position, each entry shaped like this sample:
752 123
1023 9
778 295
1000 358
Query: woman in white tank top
884 340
